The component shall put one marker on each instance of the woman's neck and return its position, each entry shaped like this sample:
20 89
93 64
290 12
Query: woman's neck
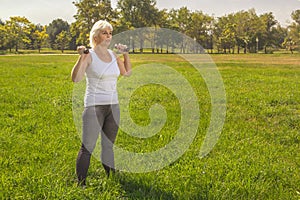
100 49
103 53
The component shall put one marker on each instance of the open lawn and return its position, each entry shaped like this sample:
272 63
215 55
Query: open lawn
256 157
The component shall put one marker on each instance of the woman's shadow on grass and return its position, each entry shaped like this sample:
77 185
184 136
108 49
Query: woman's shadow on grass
136 188
141 187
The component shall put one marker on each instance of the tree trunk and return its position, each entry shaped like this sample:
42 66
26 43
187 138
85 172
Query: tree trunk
266 50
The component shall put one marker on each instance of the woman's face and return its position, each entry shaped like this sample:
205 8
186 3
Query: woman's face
104 37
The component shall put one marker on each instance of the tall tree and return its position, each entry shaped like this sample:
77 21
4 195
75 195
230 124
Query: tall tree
292 41
240 20
62 40
225 33
31 36
40 38
296 16
179 20
162 19
279 34
247 25
88 12
2 36
267 34
295 27
17 30
138 13
199 28
55 28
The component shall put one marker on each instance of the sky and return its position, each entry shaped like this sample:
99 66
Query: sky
45 11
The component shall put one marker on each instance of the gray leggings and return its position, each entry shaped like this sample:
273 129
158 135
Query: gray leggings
102 119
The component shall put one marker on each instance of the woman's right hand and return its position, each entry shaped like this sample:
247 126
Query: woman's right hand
82 63
80 49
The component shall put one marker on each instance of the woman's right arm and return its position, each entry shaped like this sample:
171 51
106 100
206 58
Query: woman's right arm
82 63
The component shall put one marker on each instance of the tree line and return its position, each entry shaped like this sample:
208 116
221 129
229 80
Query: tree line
243 31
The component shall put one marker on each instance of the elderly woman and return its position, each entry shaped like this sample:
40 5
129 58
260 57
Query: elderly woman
101 109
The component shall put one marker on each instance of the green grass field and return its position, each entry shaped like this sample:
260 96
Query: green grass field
256 157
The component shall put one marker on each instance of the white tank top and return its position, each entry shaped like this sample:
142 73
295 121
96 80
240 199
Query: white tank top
101 81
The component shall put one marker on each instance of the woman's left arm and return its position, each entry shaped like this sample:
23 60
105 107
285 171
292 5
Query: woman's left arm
124 65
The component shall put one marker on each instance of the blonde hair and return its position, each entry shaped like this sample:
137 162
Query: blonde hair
98 26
